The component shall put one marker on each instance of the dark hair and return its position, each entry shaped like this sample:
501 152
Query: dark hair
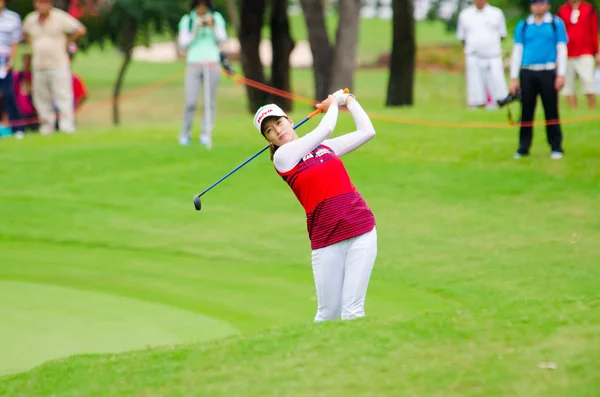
272 150
196 3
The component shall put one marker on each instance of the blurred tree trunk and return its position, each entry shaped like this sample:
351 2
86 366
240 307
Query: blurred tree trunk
252 13
129 29
346 43
402 65
282 45
234 14
62 4
321 49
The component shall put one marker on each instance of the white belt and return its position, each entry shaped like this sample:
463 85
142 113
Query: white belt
540 66
483 56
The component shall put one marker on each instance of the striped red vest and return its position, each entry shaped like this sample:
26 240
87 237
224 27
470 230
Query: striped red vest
335 210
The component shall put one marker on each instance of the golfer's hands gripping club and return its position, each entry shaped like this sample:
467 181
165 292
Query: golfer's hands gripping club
339 98
324 106
343 97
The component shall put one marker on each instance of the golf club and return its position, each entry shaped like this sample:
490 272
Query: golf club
198 204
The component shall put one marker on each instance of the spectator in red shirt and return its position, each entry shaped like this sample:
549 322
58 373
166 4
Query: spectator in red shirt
79 89
581 21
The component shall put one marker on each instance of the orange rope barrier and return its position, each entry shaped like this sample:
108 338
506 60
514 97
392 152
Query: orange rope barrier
289 95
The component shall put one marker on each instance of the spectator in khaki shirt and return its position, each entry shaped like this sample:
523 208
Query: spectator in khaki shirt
50 31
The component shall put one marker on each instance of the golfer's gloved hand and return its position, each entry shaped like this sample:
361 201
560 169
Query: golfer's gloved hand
341 96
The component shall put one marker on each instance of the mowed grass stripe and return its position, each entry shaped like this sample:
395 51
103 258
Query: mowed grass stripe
50 322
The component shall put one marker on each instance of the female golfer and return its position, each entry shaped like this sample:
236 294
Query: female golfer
341 226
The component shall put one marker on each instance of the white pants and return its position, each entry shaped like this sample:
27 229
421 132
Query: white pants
57 85
483 75
342 272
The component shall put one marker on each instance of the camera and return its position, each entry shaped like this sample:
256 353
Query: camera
509 99
205 20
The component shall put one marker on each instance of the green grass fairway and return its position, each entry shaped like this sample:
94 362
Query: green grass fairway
53 321
111 284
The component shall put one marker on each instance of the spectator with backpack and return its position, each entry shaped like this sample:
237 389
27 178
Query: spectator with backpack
581 21
538 66
201 31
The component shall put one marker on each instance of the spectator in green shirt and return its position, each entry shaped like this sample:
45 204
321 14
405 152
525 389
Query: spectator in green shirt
200 33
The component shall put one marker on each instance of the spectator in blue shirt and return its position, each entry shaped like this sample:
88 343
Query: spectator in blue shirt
538 66
10 37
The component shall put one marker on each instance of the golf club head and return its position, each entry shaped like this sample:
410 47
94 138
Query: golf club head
197 203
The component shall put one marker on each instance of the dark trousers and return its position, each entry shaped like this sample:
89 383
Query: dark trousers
10 103
542 83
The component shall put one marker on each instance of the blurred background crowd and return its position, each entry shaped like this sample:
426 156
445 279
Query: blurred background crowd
553 50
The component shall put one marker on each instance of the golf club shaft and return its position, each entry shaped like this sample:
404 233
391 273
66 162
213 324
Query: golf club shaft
310 116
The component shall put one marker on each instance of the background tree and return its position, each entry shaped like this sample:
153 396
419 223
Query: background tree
321 49
402 63
21 7
282 46
251 22
344 55
333 64
234 16
251 26
127 23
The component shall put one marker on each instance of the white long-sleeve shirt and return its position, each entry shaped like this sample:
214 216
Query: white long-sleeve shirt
517 59
288 155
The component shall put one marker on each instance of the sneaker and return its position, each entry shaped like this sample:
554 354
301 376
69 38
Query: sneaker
518 155
19 135
184 140
206 142
556 155
45 130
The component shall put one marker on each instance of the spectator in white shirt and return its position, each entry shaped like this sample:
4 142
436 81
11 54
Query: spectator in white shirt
481 28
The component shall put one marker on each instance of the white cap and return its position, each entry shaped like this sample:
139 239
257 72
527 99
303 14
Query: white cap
267 111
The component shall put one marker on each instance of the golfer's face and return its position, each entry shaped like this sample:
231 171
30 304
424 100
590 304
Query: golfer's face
279 131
